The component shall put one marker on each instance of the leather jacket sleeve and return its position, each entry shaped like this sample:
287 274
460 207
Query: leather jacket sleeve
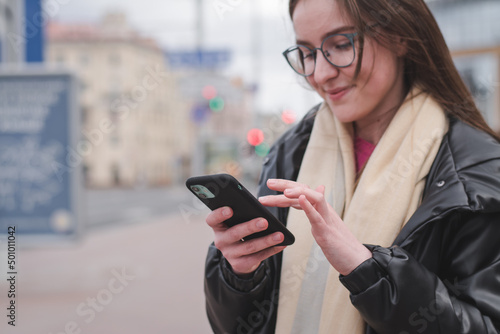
397 294
235 305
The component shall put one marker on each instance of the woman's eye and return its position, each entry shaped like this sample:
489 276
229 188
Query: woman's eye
343 46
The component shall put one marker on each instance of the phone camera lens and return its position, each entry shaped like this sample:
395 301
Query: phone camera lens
195 189
202 195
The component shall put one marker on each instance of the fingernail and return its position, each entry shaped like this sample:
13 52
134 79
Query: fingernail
271 182
226 212
277 237
261 223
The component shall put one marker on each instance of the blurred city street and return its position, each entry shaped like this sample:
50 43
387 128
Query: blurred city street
145 277
102 208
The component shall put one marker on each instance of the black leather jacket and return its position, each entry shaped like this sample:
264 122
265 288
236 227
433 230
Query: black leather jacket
442 274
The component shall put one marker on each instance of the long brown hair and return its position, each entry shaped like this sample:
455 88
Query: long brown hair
427 60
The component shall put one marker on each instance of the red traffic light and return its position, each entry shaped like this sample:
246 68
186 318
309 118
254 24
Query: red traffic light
288 116
209 92
255 137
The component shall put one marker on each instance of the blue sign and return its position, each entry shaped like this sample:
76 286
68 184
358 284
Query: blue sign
199 59
34 30
38 127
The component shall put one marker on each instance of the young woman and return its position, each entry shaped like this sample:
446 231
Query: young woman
391 184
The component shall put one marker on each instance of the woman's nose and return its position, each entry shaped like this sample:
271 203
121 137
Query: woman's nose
324 71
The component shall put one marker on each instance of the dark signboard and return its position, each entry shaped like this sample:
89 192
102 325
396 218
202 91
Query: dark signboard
39 186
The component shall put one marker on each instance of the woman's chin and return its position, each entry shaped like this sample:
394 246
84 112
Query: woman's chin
343 114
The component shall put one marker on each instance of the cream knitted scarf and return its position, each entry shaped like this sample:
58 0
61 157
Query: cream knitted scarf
312 300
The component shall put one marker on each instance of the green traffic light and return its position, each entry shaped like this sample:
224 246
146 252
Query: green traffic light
216 104
262 150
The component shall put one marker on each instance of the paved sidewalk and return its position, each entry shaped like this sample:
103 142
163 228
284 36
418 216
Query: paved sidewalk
143 278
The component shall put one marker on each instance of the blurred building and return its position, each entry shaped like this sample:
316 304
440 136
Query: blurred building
135 127
472 31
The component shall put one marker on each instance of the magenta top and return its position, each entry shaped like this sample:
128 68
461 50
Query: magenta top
362 150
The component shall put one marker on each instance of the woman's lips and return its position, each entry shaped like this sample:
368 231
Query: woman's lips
338 93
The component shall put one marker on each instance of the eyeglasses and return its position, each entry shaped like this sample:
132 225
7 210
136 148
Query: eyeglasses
337 49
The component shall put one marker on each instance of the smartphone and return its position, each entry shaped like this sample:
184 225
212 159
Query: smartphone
220 190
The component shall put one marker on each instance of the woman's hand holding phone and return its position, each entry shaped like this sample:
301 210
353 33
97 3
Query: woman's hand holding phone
243 256
236 216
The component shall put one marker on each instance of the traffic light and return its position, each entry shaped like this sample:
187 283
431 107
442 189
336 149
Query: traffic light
209 92
255 137
262 150
288 116
216 104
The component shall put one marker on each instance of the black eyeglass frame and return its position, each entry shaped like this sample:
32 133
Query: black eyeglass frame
313 51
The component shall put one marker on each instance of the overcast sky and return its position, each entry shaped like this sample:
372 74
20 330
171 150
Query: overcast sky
237 25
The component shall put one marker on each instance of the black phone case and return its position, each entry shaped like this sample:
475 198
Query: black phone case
229 192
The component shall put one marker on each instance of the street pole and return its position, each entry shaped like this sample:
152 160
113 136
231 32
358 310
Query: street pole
199 152
199 24
256 47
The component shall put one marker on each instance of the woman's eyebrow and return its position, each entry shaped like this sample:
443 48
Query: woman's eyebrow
331 32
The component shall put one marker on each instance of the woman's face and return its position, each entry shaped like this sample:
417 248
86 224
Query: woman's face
379 85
